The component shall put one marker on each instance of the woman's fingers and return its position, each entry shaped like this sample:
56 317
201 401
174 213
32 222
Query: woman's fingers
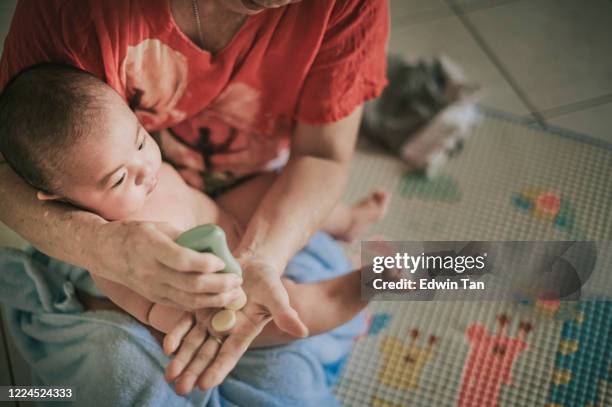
288 320
144 257
285 317
179 153
187 380
195 301
173 339
202 360
204 283
190 345
181 258
257 154
193 178
227 160
230 353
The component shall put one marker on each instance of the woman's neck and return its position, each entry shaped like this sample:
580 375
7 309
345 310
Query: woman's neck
218 24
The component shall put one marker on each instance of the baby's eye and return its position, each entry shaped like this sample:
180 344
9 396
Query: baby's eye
142 143
119 182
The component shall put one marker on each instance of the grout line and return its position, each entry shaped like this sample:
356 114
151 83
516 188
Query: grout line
481 5
550 129
576 106
497 63
6 352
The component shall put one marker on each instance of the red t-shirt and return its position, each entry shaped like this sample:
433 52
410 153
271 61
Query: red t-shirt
314 61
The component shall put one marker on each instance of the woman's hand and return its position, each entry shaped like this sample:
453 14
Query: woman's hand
268 297
204 357
144 257
186 159
201 359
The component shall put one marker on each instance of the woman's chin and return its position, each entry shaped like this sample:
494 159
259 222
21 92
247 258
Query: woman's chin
247 7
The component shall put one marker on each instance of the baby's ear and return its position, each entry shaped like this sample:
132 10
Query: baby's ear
43 196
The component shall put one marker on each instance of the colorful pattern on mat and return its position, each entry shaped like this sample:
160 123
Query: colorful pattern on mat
583 365
547 206
442 188
511 182
490 362
404 362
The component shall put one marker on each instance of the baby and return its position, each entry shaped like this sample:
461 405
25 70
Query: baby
75 140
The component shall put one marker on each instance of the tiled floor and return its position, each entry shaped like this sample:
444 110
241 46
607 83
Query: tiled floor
548 60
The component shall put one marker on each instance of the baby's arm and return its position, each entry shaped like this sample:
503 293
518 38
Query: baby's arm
161 317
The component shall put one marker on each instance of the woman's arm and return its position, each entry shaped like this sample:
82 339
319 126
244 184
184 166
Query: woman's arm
138 255
304 193
291 210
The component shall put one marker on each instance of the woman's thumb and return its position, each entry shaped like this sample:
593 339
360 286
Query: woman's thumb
288 320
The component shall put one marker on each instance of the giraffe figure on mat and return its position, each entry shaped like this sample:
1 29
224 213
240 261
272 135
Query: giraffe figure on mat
403 363
489 363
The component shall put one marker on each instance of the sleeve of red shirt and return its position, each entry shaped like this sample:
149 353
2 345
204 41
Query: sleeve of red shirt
350 67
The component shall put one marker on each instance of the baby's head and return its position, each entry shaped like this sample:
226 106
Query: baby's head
73 138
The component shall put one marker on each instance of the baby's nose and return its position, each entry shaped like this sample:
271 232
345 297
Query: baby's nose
143 174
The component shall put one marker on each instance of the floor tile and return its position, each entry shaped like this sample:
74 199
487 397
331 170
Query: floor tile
557 51
404 12
7 7
448 36
595 122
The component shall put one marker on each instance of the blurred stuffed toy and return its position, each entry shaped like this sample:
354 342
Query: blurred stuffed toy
425 113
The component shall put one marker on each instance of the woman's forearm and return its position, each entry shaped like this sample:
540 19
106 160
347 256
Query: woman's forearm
140 255
59 230
293 209
305 192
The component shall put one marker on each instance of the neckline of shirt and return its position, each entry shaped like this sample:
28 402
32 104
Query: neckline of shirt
173 26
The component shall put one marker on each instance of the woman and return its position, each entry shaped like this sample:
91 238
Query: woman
234 87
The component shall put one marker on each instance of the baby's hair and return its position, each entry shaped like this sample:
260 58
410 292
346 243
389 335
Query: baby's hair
44 110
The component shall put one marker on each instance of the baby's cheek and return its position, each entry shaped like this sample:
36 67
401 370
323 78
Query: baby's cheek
133 203
120 208
114 212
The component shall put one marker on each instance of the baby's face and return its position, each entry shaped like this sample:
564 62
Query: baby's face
115 168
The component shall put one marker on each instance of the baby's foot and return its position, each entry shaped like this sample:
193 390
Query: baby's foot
364 214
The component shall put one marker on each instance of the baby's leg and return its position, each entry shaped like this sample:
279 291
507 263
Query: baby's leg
348 222
345 222
325 305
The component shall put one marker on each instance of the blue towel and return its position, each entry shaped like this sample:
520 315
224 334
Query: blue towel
111 359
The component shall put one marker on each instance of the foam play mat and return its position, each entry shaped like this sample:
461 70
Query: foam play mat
512 181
